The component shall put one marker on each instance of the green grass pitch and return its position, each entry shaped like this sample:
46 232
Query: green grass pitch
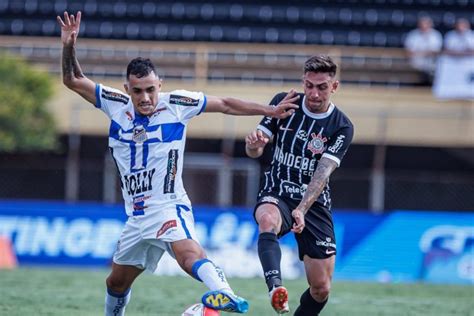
80 292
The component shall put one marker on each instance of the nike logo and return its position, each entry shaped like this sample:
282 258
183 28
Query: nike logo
282 128
330 252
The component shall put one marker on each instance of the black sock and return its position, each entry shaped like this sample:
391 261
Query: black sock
269 253
308 306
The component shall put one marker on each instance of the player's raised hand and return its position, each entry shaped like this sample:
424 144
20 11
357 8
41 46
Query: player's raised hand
69 28
256 139
287 106
299 224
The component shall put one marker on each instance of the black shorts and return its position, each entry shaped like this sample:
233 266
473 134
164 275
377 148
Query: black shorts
317 239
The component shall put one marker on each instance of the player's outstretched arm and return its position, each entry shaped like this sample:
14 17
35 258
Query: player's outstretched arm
255 142
73 78
321 176
235 106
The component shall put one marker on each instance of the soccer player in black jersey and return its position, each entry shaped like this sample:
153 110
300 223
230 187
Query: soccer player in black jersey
295 196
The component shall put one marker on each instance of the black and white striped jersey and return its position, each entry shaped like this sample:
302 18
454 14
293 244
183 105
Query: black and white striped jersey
299 142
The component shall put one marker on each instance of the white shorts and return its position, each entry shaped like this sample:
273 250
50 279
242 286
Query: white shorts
145 238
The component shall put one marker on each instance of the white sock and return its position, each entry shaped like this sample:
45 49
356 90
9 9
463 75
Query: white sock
115 303
212 276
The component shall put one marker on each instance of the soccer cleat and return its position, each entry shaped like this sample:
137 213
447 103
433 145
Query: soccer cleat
225 301
279 299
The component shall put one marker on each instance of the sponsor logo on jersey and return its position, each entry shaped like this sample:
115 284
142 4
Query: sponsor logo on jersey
115 96
285 128
293 188
171 170
165 227
139 134
316 145
139 202
129 115
303 135
326 243
337 144
139 182
294 161
183 101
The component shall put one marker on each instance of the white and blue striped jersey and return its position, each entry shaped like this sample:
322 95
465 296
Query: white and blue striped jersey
148 150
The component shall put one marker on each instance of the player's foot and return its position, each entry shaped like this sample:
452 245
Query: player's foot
279 299
225 301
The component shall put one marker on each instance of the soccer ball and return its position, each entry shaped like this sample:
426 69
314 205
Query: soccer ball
200 310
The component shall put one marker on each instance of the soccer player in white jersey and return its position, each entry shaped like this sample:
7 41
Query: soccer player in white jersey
146 138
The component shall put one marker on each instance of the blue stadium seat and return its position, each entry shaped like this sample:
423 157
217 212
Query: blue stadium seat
272 35
188 32
299 36
216 33
292 14
177 10
147 31
163 10
221 11
148 9
135 10
3 6
327 37
207 12
49 28
161 31
32 27
236 12
380 39
244 34
16 27
106 29
345 16
90 8
17 7
265 13
46 7
353 38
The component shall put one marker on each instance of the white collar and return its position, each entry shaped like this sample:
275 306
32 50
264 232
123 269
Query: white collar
317 116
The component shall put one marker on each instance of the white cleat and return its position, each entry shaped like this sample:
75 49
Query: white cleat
279 299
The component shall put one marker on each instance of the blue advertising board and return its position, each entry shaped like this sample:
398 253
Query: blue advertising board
393 247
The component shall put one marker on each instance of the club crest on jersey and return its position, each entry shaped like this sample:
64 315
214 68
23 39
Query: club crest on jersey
139 134
316 145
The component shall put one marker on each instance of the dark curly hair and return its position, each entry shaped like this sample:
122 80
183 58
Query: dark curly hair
140 67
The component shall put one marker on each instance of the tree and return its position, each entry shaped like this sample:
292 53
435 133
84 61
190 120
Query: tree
25 123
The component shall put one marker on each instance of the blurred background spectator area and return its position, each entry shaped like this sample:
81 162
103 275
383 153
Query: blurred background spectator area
411 150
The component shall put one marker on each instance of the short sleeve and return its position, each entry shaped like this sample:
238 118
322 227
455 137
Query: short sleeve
109 100
187 104
268 125
339 143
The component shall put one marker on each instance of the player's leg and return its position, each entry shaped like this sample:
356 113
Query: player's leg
319 274
119 284
192 259
269 220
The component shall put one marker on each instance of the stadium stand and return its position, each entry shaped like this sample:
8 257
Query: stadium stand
256 48
379 23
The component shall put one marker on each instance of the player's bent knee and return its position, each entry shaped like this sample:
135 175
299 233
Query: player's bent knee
267 222
320 292
116 285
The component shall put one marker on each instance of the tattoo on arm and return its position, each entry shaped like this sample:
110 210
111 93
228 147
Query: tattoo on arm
320 178
71 67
